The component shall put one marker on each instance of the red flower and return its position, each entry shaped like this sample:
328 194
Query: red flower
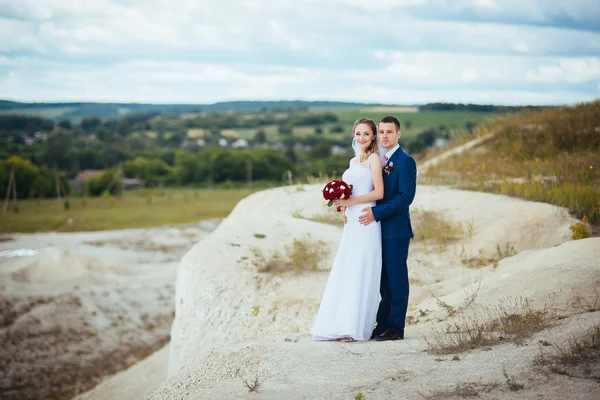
336 190
389 168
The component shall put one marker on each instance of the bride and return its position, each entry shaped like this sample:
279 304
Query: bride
349 305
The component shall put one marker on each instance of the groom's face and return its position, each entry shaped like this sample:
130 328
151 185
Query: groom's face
388 135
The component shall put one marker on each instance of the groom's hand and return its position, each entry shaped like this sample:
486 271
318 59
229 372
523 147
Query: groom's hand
367 217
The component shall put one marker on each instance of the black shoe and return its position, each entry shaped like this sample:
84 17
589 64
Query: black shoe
390 335
376 332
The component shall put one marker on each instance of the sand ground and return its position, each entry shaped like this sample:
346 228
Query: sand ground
79 306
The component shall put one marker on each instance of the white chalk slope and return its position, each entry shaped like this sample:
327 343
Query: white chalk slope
229 317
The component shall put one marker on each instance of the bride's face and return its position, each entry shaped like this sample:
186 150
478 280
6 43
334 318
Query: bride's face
364 136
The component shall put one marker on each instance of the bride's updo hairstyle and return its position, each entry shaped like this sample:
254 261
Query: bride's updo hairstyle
373 146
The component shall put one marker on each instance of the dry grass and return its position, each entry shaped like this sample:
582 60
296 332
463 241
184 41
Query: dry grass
481 260
590 302
509 321
465 389
580 230
579 359
139 245
253 385
432 227
302 255
551 156
330 217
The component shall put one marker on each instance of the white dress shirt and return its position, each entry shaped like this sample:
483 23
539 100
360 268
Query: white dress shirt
391 152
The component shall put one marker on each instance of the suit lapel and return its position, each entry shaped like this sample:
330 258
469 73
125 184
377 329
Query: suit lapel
388 188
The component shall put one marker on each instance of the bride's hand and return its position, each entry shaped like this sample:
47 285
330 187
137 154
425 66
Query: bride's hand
341 203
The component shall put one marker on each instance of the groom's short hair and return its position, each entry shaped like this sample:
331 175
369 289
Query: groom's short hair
392 120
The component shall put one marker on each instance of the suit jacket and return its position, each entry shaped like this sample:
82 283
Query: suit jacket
399 188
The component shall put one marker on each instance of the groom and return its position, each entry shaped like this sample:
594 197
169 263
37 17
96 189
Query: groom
399 183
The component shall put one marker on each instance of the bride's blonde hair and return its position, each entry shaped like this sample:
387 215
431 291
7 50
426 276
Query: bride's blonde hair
373 146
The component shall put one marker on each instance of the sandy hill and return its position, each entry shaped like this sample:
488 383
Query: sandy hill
506 257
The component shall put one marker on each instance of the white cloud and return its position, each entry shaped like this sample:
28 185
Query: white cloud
154 50
379 5
572 70
470 75
486 3
12 78
451 76
307 25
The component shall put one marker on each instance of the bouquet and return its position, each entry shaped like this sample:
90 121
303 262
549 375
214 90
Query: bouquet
336 190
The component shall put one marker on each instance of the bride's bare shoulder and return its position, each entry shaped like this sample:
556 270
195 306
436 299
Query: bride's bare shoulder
374 160
374 156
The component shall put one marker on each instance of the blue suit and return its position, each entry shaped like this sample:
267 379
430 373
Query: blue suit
396 231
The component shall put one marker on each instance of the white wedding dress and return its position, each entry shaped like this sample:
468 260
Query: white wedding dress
351 297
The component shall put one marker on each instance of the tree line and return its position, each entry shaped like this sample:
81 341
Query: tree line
121 147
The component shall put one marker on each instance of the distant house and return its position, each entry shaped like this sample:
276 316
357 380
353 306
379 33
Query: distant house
243 143
132 184
335 149
201 142
440 143
78 183
41 136
223 142
301 147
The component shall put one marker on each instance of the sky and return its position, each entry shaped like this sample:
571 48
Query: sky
404 52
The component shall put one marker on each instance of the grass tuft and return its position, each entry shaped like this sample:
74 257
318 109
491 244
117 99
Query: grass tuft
579 359
330 217
302 255
505 322
432 227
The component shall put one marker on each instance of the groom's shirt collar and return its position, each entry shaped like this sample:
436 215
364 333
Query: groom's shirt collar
390 153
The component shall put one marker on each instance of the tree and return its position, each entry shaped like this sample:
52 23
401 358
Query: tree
321 150
57 151
470 126
21 123
153 172
90 124
337 129
228 166
318 130
65 124
427 138
260 136
408 124
25 175
285 129
415 146
176 139
291 155
108 179
191 167
124 126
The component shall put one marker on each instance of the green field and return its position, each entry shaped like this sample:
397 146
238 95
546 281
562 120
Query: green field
49 112
419 121
135 209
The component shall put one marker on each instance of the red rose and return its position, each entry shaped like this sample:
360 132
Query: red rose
334 190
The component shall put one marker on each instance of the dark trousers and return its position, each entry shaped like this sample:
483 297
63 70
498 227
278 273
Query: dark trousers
394 286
